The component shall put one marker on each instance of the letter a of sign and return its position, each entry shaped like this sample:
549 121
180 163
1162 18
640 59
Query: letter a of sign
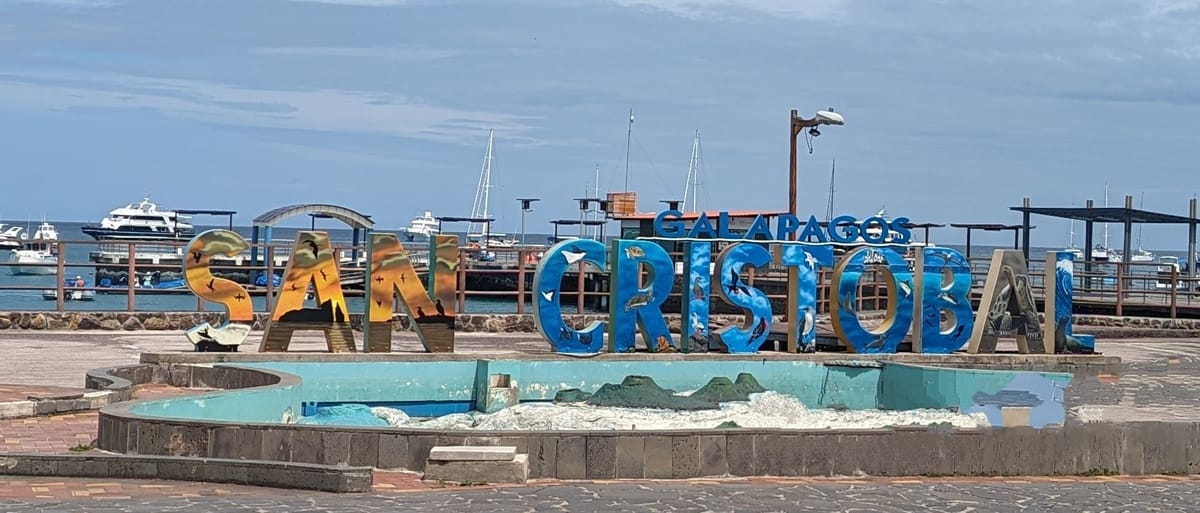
392 273
312 264
1006 294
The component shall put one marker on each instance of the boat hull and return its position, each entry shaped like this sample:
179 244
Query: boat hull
48 266
70 295
32 271
101 233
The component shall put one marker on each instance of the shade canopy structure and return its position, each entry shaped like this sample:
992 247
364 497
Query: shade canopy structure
1125 215
992 227
581 223
1108 215
228 214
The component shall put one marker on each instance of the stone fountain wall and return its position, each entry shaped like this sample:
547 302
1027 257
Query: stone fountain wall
1104 326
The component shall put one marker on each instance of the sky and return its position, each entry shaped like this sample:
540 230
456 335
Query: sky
955 110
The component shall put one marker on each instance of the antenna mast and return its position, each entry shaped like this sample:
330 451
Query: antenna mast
596 213
628 138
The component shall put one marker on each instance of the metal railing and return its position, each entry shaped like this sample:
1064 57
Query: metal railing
498 280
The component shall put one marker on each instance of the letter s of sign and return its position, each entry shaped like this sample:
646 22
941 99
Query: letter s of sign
230 294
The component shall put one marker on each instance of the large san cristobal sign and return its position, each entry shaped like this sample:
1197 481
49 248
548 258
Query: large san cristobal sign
642 275
930 298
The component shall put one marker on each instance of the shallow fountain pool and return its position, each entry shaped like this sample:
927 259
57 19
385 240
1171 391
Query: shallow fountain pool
801 394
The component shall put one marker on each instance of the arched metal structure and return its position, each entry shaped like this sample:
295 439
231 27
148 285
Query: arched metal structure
359 223
351 217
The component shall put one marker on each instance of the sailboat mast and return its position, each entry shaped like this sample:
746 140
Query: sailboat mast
1105 224
1141 205
693 178
487 174
829 205
479 207
1071 230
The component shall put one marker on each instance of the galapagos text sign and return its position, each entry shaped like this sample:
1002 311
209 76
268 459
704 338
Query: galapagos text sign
642 275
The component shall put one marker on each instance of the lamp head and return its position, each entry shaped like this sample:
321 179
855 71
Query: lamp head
829 117
527 203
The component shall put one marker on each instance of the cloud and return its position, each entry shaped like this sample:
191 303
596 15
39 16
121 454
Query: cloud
1171 25
362 52
327 110
702 9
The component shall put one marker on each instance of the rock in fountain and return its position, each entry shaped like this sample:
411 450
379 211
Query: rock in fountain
721 390
643 392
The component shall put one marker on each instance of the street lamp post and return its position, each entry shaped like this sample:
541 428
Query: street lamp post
526 206
823 117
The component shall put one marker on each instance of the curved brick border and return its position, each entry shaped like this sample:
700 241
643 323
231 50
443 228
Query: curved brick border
1129 448
1104 326
321 478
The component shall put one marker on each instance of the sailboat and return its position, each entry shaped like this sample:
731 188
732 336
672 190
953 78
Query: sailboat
1139 254
1071 247
1103 252
479 207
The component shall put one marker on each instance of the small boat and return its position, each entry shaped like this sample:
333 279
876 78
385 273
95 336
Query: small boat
1101 253
1071 247
1141 255
40 250
10 238
497 240
72 291
1168 266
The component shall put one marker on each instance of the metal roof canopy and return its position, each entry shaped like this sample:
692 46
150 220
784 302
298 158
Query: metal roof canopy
581 223
351 217
206 212
1108 215
574 222
992 227
1126 215
455 219
188 211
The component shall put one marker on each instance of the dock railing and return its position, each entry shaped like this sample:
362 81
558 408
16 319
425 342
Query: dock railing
498 280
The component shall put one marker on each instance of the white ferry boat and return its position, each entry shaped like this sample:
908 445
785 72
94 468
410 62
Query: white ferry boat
424 225
142 220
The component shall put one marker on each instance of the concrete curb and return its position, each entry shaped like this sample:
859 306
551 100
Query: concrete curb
102 387
301 476
85 400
